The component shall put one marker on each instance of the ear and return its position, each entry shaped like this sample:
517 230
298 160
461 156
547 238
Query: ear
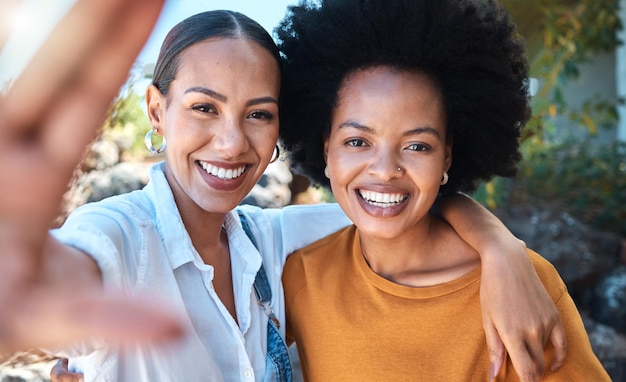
448 158
155 103
326 148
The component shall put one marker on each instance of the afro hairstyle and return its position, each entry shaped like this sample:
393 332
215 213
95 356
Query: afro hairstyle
469 47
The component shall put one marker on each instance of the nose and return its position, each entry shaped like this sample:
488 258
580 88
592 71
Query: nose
230 138
386 165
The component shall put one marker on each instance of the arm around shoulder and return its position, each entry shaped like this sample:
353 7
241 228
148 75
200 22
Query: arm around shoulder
518 313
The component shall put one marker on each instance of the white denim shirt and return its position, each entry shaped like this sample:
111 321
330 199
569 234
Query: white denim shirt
140 244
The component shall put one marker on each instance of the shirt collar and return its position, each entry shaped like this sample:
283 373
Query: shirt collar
175 238
168 221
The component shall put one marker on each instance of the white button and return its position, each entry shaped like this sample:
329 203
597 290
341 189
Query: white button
247 373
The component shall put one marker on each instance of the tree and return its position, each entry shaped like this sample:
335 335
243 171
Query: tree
561 35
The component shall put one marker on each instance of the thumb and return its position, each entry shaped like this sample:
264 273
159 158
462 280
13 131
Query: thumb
496 349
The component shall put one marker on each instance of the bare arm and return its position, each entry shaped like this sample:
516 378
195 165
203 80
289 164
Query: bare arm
517 311
46 120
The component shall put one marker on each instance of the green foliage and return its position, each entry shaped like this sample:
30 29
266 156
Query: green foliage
127 124
584 178
493 193
561 35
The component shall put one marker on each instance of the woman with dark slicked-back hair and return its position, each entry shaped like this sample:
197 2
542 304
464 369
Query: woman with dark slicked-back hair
196 28
400 102
183 239
214 99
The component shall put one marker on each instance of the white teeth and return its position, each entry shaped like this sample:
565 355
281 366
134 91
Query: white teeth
382 200
222 173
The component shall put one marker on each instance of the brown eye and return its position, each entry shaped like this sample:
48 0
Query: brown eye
203 108
261 115
418 147
355 142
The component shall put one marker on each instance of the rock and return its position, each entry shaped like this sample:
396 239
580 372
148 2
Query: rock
272 190
609 346
609 303
118 179
99 184
26 367
580 254
592 265
100 155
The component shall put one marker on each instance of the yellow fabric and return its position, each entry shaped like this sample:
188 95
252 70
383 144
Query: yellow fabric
352 325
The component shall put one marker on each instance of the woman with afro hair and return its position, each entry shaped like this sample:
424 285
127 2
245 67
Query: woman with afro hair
400 102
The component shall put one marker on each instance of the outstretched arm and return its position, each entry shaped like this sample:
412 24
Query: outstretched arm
518 313
47 118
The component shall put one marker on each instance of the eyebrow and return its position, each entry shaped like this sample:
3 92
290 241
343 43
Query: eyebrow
207 91
415 131
222 98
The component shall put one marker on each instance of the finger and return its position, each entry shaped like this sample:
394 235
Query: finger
61 373
69 112
101 77
41 319
535 348
496 350
63 52
72 45
526 367
559 342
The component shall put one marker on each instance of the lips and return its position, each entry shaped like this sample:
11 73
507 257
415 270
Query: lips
382 200
222 173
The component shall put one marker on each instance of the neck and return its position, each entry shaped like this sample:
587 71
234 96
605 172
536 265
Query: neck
204 227
431 253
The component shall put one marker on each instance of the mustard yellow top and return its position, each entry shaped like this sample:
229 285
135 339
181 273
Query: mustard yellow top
350 324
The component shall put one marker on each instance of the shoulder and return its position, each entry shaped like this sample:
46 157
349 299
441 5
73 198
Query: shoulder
303 213
127 209
549 275
296 226
325 249
318 262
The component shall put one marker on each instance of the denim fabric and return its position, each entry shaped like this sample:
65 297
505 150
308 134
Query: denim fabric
262 286
141 245
277 363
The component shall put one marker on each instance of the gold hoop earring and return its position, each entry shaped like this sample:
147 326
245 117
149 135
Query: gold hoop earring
326 172
276 154
444 179
147 140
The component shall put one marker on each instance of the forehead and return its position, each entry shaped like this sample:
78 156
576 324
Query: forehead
238 58
386 79
387 96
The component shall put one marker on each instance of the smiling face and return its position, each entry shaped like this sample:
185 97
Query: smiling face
387 119
220 120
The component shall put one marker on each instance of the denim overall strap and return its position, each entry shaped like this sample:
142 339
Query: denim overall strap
277 363
262 286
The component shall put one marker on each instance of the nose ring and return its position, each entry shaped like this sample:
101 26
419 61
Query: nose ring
399 169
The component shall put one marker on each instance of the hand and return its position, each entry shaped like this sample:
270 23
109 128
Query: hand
47 118
60 373
529 320
517 311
